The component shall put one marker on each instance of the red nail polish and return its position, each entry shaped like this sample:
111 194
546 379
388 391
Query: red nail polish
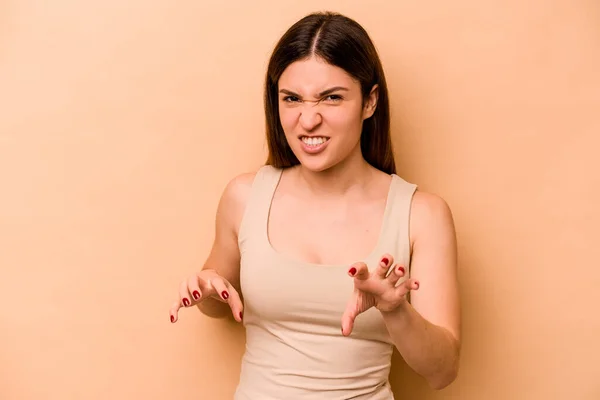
352 271
186 302
172 319
385 261
196 294
401 269
225 295
241 315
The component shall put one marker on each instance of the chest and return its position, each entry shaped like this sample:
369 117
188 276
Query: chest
299 300
332 234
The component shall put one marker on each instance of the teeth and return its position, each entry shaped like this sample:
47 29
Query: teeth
314 141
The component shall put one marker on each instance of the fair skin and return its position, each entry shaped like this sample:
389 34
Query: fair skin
335 189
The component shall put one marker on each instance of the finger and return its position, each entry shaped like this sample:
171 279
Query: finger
184 294
397 272
359 271
228 294
384 266
235 303
194 289
407 286
173 312
348 317
220 288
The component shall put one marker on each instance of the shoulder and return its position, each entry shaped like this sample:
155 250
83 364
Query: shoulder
236 194
430 215
429 205
238 188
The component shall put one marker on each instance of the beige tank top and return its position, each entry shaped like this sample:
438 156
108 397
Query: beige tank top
293 311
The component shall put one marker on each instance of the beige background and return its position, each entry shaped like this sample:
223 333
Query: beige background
121 122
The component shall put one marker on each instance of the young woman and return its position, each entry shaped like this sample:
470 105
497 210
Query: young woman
317 251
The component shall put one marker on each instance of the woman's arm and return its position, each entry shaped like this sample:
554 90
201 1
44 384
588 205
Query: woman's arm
224 257
426 331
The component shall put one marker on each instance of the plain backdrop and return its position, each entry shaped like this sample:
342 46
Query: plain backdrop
122 121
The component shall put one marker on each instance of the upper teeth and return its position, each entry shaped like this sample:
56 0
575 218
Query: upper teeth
313 141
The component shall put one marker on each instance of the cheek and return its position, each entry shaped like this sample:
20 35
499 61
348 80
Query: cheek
347 121
287 119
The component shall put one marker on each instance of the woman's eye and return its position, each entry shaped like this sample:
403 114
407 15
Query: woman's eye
333 97
291 99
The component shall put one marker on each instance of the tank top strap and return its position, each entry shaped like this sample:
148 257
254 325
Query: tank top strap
396 233
256 214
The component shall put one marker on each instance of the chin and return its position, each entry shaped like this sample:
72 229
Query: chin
316 164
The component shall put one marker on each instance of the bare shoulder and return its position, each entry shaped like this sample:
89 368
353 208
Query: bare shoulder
238 188
429 212
429 203
235 198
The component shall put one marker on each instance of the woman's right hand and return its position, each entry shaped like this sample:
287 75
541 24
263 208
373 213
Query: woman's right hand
199 287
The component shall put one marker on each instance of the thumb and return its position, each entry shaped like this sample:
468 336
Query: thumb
349 316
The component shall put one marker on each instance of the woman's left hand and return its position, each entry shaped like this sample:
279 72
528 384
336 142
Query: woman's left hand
375 289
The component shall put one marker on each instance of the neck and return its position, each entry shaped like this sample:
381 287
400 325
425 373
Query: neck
338 180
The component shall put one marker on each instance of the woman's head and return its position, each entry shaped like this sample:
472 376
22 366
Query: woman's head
326 96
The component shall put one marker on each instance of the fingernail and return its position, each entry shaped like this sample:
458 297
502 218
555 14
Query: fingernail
385 261
225 295
241 315
401 269
352 271
186 302
172 319
196 294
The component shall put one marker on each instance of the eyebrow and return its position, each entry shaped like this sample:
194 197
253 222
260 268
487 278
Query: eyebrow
323 93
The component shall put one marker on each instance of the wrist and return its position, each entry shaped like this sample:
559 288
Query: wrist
398 320
398 311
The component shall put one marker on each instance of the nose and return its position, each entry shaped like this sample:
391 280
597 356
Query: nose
310 117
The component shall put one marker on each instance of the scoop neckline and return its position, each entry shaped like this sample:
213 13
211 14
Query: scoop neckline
294 261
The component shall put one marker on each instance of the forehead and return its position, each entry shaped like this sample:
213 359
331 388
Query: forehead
314 75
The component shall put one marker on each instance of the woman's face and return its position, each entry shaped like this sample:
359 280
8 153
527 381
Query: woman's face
321 111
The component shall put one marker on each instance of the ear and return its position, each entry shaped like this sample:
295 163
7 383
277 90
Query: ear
371 102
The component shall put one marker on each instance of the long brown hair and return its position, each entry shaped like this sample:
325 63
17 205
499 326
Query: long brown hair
342 42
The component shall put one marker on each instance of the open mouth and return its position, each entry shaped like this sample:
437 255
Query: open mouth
314 141
314 144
